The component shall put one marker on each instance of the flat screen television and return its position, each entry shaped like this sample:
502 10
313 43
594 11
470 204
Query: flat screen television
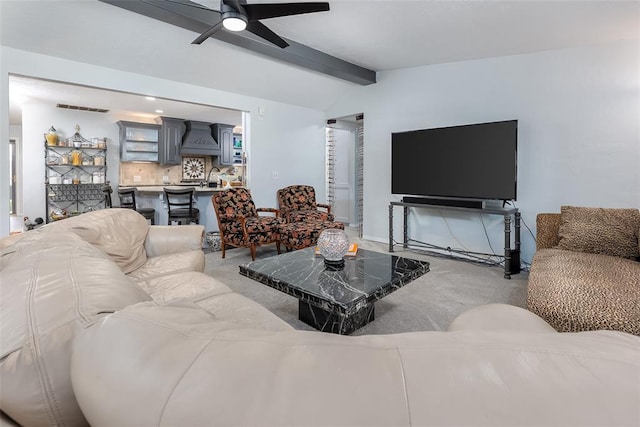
474 162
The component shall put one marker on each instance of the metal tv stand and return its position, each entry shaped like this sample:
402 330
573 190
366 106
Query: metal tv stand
509 254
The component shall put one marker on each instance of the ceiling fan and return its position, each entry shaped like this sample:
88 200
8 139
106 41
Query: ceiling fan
237 15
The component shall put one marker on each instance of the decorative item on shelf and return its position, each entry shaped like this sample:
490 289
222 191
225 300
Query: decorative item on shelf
86 178
100 143
51 137
98 178
333 244
53 159
76 157
98 159
77 140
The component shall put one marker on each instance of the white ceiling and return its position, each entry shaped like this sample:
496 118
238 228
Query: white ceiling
127 106
377 34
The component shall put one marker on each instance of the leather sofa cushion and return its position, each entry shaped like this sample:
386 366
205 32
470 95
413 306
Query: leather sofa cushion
242 312
215 297
52 284
191 286
164 240
604 231
182 366
120 233
161 265
496 317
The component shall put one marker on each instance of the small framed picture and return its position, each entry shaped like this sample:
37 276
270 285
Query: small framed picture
193 168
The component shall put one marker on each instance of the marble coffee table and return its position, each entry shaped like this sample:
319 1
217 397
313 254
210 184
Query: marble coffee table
335 301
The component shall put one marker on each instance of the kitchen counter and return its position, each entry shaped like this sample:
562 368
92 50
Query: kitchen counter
152 196
160 188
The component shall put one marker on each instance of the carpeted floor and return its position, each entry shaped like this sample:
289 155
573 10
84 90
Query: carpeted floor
430 302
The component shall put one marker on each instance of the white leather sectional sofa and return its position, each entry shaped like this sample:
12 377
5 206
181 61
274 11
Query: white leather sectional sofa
109 322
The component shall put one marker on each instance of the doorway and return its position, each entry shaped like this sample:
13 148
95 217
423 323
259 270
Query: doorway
13 178
345 169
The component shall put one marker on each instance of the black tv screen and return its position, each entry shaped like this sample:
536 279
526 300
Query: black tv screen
477 161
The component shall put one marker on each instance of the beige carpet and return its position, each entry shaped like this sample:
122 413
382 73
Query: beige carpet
430 302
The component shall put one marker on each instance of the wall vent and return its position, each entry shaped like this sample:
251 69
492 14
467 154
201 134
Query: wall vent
76 107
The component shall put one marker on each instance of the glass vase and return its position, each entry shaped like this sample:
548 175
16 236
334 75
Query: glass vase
333 244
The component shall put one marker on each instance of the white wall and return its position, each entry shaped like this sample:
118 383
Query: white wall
37 119
290 142
579 133
286 138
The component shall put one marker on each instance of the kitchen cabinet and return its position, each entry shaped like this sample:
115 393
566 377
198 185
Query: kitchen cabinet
139 142
224 136
171 139
75 174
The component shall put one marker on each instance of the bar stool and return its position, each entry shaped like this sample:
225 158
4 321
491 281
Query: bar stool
180 203
128 200
106 189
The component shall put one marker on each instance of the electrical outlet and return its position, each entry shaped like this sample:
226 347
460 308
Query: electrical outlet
165 178
137 178
275 175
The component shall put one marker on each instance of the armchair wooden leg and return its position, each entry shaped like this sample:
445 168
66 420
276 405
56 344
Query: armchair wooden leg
278 246
253 252
222 245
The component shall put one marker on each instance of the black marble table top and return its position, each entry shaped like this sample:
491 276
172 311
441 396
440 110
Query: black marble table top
366 278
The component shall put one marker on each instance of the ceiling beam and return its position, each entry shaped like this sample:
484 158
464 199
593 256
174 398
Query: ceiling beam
197 18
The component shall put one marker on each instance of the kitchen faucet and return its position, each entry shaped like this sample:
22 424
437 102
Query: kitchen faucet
209 175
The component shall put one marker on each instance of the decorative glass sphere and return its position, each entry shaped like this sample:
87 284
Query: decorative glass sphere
333 244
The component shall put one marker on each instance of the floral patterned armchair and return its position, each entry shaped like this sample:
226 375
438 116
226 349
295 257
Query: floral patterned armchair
239 223
297 203
304 221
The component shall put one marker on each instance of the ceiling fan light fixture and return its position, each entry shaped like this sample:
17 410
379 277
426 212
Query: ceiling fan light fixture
234 21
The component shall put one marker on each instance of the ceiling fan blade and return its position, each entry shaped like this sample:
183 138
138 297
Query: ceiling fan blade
274 10
202 37
261 30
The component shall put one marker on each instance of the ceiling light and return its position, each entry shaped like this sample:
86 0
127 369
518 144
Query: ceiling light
234 21
150 98
159 111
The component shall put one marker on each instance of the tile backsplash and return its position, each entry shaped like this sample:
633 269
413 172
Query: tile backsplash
153 173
